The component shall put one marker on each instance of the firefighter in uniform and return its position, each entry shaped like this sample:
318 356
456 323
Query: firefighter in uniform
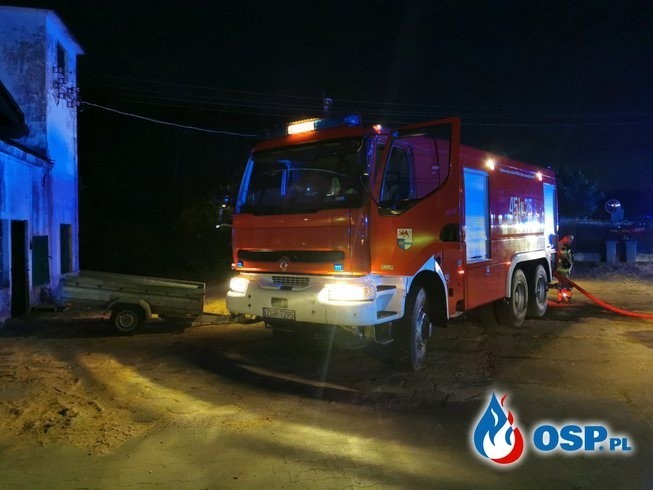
564 263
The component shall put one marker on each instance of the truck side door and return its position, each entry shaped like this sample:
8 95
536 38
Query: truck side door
416 189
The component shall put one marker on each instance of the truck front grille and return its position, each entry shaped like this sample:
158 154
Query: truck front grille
291 281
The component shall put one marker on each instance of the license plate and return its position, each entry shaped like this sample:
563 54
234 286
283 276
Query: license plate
279 313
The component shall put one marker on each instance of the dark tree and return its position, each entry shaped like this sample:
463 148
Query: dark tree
578 196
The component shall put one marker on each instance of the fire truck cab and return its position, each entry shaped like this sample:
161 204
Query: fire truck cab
385 233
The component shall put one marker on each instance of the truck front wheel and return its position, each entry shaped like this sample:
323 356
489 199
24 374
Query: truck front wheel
412 332
512 311
125 318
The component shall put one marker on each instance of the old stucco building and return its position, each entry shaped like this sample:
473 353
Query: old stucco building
38 157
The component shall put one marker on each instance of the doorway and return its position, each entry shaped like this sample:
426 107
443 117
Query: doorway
66 247
19 278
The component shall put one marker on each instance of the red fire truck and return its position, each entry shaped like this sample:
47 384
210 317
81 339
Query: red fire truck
384 233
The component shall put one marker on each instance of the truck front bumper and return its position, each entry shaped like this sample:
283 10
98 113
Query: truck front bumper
360 301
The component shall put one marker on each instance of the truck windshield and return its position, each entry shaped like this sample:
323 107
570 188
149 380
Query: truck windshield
305 179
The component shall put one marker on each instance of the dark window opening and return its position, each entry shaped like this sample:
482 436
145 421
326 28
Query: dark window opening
61 59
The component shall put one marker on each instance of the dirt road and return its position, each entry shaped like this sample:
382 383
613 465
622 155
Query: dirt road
229 406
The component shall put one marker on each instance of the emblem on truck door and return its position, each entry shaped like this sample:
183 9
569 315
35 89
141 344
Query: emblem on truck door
283 263
404 237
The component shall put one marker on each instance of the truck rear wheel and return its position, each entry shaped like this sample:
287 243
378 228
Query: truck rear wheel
412 332
537 292
512 311
126 318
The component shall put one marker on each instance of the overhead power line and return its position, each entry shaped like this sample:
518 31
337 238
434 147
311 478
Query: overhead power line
383 113
388 116
153 89
168 123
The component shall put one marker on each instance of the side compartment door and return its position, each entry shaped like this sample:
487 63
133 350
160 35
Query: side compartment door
550 213
482 276
477 215
550 222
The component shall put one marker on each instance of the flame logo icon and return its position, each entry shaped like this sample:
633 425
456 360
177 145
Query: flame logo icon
495 437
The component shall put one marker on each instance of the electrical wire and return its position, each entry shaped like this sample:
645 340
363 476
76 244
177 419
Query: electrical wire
168 123
214 102
544 111
280 109
386 112
377 108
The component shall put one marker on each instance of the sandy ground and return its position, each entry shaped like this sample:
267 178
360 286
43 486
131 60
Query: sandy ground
222 405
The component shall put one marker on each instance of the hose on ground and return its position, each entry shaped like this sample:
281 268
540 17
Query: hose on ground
607 306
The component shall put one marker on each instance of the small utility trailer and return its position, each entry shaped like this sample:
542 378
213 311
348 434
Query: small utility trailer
132 299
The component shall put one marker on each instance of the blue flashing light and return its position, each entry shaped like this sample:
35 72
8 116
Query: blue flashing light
335 122
338 267
352 120
239 264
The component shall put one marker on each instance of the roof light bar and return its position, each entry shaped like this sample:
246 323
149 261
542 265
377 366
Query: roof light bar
302 126
308 125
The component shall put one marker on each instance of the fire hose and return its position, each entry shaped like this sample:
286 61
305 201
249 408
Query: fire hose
607 306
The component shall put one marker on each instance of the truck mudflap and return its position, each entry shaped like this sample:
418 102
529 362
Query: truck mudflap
378 334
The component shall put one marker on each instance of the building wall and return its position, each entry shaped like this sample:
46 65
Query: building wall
61 130
24 195
38 65
23 68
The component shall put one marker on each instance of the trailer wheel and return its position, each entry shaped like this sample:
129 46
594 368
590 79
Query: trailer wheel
126 318
537 292
512 311
412 332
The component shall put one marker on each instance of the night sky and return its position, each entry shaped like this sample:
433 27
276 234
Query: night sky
552 83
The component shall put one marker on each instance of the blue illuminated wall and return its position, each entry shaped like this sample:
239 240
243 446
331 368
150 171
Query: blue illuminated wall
38 66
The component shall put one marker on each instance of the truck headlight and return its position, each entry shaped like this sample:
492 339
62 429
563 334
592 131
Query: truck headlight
347 292
238 284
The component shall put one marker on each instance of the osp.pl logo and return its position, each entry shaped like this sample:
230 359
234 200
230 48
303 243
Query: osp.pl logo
496 438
